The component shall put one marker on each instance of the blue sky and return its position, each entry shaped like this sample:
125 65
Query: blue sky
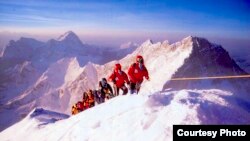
135 19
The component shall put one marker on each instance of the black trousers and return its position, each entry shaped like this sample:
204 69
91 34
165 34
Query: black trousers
135 87
123 88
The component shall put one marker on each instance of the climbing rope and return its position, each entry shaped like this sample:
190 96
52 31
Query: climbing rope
211 77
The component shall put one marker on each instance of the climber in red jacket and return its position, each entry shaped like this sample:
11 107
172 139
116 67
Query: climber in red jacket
136 73
119 77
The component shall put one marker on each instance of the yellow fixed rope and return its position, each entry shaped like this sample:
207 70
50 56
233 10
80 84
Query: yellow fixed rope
211 77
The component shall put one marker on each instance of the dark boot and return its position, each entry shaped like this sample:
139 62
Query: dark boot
132 88
124 89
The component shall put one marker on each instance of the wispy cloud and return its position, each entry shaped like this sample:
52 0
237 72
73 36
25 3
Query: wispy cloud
14 20
15 17
126 17
61 4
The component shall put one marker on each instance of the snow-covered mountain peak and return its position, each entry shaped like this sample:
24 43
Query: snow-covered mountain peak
69 36
26 41
187 40
205 60
200 43
147 43
24 48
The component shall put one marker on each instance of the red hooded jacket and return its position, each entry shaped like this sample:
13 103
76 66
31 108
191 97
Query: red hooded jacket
118 78
136 74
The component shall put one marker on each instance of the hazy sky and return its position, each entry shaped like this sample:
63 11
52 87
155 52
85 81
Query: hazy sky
116 22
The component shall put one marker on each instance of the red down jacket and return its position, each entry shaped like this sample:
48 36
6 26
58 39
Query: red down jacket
136 74
118 78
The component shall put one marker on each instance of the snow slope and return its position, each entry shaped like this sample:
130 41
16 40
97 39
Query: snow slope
45 91
136 117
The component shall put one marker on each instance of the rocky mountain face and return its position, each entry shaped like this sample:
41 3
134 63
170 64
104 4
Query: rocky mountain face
209 60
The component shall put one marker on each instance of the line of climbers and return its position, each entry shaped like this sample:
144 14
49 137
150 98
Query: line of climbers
136 72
